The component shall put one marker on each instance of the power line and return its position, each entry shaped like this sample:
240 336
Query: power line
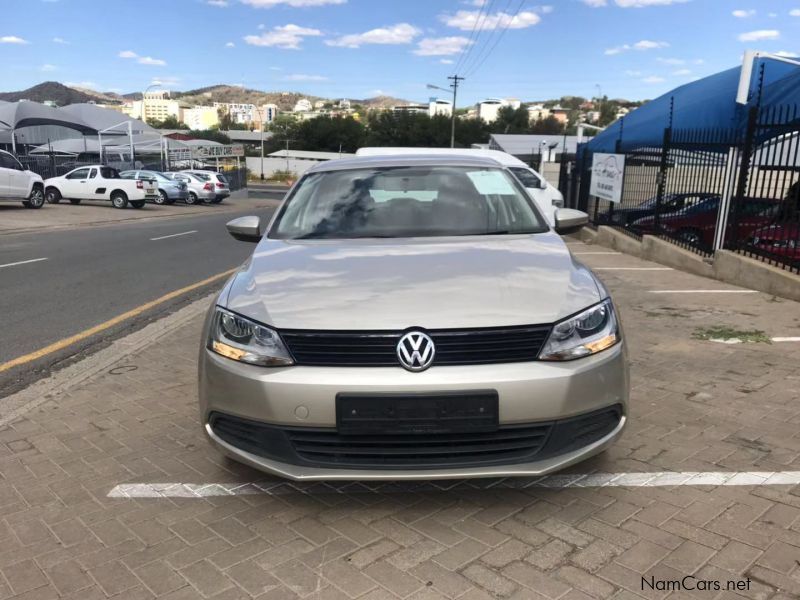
473 38
490 35
499 38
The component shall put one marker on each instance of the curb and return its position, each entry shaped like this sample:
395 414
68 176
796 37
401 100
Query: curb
45 390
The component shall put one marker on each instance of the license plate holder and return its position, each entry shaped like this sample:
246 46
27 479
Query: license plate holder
431 413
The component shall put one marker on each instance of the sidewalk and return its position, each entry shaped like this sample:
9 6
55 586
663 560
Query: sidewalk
130 417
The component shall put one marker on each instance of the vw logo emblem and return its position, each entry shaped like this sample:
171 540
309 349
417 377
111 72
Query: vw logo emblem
415 351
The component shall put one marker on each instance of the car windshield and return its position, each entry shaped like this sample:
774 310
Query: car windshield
398 202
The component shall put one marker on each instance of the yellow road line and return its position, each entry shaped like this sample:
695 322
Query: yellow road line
66 342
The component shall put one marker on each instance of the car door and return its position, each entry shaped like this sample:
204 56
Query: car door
96 186
75 183
17 178
5 176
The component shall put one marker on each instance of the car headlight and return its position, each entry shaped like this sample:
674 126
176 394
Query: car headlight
238 338
588 332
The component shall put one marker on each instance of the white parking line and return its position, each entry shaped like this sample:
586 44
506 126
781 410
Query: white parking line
740 341
703 291
277 487
593 253
22 262
632 269
164 237
786 339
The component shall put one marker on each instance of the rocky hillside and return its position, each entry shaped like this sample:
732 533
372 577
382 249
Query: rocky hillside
57 92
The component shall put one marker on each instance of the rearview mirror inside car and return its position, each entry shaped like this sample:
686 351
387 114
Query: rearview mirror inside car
569 220
245 229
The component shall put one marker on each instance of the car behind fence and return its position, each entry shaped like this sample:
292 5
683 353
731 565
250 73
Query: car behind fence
706 190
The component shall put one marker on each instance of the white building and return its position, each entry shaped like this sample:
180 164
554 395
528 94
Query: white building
537 112
437 106
344 104
489 108
303 105
200 117
241 113
411 109
268 112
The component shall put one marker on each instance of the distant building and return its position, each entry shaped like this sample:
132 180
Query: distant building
411 109
490 108
240 113
268 113
319 104
303 105
344 104
154 106
201 117
437 106
537 112
561 114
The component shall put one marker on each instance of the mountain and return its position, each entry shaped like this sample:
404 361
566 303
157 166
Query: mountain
54 91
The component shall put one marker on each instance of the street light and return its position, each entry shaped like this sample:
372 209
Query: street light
147 89
454 87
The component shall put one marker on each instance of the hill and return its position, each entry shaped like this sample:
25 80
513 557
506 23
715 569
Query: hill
54 91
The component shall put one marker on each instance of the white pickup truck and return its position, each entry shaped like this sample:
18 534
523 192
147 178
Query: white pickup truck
98 182
19 184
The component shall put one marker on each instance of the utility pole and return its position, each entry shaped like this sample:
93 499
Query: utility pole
455 79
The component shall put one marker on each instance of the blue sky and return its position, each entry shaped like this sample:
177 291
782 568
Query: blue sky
634 49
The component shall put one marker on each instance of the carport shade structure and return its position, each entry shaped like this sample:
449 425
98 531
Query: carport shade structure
705 104
30 114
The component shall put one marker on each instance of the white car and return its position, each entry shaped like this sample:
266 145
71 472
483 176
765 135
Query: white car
547 197
99 182
19 184
221 188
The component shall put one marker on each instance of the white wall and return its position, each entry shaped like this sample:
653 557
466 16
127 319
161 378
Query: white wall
272 164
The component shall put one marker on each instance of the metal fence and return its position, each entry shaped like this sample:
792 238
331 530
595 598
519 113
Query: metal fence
706 190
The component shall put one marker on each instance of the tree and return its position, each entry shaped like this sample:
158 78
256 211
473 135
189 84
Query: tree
215 135
171 122
511 120
548 126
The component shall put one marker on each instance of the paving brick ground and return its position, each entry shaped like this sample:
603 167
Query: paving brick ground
696 406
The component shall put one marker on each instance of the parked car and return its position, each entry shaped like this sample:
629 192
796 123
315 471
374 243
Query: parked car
221 188
200 189
411 318
19 184
99 182
625 215
169 190
778 239
695 224
546 196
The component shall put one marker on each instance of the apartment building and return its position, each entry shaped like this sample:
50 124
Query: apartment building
490 108
200 117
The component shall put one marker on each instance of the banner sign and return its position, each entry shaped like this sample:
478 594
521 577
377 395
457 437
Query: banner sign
608 171
203 152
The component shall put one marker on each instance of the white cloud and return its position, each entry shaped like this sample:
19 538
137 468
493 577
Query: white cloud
446 61
59 40
467 20
166 81
595 3
640 45
653 79
217 3
444 46
682 72
288 37
631 73
12 39
81 84
46 68
671 61
304 77
759 35
787 54
402 33
230 45
632 3
149 60
795 12
294 3
744 14
128 54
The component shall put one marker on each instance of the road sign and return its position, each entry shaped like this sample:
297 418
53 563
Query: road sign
608 171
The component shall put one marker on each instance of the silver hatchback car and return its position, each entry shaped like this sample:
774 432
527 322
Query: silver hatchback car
411 317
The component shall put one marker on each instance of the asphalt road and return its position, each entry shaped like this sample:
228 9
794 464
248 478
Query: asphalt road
93 274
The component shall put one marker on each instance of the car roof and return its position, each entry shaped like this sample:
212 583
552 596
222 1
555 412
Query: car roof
411 160
503 158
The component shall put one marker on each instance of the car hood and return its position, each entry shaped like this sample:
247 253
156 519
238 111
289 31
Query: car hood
429 283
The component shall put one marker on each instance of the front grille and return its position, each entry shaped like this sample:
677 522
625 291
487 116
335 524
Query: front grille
325 447
379 348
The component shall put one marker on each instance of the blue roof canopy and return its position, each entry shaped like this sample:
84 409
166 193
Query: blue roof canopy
708 103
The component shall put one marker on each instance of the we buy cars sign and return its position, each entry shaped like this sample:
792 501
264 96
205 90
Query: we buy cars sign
608 171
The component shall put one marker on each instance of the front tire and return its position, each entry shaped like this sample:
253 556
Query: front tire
137 203
74 200
36 199
52 196
192 199
119 200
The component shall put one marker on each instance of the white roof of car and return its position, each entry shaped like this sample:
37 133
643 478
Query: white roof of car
503 158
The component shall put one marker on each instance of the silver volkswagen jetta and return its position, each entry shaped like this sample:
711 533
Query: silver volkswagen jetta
407 318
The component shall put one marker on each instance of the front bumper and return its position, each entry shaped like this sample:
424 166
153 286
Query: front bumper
529 394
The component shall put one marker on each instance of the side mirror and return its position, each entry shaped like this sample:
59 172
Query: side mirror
245 229
569 220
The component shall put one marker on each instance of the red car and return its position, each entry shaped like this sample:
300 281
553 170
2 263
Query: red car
695 223
779 239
